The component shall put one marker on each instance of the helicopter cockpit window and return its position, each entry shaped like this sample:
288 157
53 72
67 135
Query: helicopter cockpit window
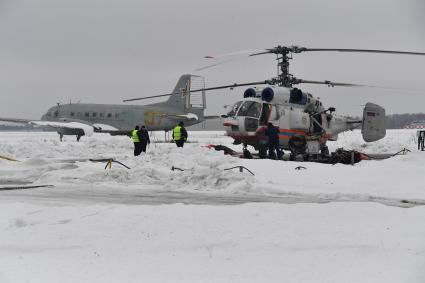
250 109
234 109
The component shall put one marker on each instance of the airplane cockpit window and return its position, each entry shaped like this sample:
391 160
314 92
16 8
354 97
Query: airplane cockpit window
234 109
250 109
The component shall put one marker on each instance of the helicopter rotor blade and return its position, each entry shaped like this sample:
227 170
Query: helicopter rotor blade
231 86
332 84
233 56
240 52
298 49
328 83
363 51
260 53
213 65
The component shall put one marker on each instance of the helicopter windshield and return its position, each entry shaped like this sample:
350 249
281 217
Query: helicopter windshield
234 109
250 109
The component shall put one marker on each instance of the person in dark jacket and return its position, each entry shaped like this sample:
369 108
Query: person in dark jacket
179 134
144 139
421 139
136 141
272 133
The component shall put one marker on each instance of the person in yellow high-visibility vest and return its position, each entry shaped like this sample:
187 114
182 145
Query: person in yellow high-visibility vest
136 141
179 134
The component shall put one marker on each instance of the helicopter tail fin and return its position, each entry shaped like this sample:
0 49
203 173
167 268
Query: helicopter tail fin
373 126
182 98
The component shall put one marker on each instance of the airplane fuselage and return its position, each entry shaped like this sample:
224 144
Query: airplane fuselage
120 117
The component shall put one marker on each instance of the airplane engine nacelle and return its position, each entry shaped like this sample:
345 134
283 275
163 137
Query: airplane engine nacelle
276 94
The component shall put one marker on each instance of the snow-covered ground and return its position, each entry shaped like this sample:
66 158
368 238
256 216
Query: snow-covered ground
327 223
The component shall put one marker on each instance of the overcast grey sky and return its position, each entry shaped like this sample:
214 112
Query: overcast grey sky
105 51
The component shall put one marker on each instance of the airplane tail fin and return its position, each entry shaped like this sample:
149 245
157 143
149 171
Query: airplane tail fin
183 99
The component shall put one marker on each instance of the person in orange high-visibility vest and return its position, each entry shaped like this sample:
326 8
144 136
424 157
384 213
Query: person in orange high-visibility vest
179 134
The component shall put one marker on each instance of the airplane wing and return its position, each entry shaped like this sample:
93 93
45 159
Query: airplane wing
108 129
66 128
16 121
104 127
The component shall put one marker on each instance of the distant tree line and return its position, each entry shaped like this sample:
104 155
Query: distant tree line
399 121
17 128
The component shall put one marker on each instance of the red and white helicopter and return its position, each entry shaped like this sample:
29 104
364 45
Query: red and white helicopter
305 124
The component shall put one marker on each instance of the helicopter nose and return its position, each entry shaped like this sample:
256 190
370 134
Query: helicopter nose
236 125
231 126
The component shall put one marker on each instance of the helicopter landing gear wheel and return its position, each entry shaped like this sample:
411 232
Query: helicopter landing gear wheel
324 151
298 146
246 153
280 154
262 152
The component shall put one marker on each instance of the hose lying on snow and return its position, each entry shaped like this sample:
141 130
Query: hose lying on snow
24 187
241 168
8 158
